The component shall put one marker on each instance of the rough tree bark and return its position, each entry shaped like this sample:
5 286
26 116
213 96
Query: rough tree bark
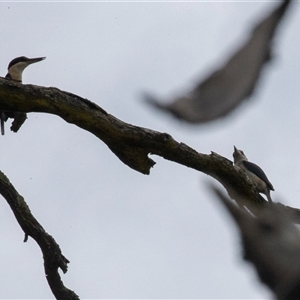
131 144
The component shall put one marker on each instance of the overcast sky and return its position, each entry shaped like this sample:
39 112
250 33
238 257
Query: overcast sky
129 235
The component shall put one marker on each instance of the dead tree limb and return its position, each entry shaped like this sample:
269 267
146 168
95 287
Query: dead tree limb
53 257
271 243
131 144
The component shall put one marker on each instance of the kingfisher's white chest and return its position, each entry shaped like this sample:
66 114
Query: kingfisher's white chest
16 71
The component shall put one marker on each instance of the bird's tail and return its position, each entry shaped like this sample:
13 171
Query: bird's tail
2 117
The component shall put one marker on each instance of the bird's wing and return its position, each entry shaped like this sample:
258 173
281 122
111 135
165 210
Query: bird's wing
255 169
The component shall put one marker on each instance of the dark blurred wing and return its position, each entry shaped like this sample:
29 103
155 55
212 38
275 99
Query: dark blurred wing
228 86
253 168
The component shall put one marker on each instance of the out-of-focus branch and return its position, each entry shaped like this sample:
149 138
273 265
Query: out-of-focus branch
53 258
231 83
272 244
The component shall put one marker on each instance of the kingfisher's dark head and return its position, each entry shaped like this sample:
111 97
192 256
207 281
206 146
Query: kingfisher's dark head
17 66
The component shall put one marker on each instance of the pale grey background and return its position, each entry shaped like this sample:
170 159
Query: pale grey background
129 235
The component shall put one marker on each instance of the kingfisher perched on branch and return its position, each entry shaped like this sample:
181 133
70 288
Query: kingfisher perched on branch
254 172
15 71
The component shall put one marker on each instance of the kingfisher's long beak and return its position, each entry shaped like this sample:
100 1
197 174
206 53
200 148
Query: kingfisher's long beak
34 60
235 149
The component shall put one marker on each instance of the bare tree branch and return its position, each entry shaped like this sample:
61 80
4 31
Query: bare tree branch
53 258
227 87
272 243
131 144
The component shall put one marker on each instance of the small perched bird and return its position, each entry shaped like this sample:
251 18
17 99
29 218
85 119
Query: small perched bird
15 71
254 172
